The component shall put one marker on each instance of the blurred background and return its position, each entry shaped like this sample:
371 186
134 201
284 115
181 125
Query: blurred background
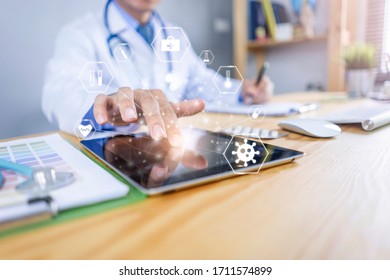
303 57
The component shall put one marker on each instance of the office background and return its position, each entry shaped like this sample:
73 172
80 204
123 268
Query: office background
30 27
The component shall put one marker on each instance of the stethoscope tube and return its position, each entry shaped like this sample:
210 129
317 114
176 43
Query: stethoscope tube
18 168
37 178
112 36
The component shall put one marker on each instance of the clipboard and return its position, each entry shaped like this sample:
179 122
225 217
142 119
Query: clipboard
45 217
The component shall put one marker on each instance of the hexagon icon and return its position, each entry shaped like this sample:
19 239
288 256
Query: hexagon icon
256 113
170 44
245 156
206 56
123 52
96 77
84 129
224 82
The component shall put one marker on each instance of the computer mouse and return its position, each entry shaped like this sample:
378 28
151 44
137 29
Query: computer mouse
311 127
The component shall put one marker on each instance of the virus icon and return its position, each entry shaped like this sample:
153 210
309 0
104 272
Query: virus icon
245 152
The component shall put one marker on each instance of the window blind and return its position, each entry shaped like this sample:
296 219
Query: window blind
378 30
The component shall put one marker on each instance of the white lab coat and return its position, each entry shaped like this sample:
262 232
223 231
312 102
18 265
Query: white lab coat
65 100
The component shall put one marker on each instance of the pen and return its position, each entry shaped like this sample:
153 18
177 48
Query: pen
262 72
260 76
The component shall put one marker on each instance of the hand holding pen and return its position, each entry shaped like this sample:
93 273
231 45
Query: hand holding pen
259 90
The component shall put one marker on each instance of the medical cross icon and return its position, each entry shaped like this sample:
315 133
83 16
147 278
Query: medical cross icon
170 45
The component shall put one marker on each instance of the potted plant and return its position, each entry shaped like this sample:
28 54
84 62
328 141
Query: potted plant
360 69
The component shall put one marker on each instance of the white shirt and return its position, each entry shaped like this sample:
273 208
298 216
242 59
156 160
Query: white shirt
65 100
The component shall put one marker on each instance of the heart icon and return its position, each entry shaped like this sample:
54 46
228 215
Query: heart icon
85 130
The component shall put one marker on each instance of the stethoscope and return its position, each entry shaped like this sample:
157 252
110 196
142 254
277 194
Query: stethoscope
37 186
116 36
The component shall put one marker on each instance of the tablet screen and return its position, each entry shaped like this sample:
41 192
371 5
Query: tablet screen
155 164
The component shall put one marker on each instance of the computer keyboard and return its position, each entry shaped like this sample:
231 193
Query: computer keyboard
248 131
359 114
371 116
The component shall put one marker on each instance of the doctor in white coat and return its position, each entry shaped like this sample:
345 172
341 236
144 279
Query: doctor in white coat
147 90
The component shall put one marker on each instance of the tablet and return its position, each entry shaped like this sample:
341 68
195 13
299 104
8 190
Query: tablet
154 167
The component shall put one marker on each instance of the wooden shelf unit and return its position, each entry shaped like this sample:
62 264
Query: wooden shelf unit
342 22
269 43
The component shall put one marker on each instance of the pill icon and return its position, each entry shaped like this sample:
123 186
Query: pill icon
256 113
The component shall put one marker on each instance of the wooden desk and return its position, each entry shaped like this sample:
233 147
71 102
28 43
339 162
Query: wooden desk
332 204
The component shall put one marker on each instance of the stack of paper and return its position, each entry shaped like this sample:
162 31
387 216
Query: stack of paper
270 109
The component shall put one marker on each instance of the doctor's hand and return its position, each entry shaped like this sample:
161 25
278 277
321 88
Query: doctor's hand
261 93
150 107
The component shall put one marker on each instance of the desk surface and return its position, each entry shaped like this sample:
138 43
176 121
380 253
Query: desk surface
332 204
